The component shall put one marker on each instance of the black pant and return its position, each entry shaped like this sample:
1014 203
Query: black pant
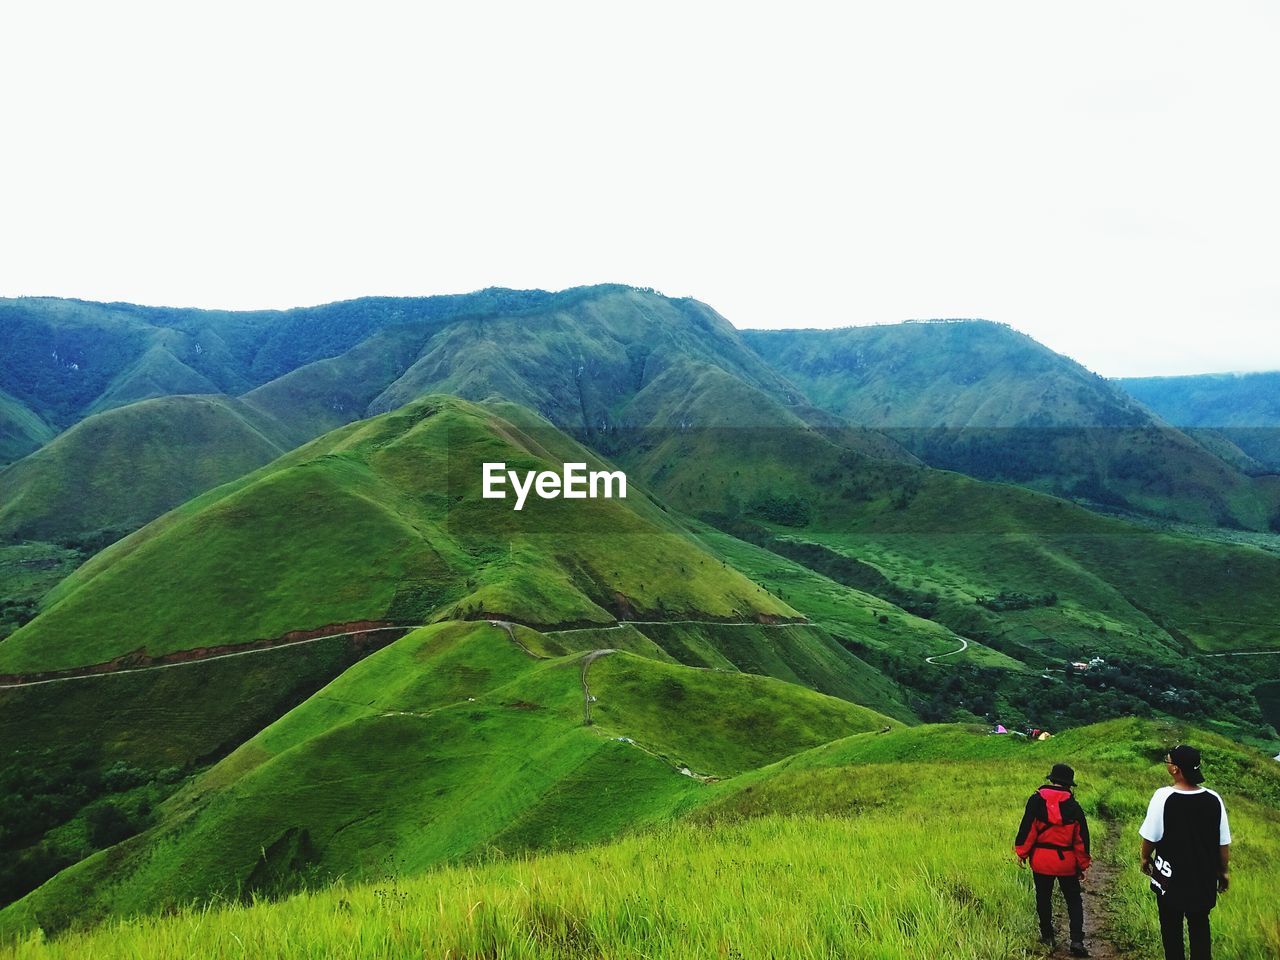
1044 903
1171 916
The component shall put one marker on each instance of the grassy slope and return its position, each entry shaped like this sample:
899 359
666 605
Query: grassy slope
847 612
601 362
983 399
872 846
21 430
451 740
578 356
328 393
925 375
157 373
117 470
395 498
935 531
126 741
579 359
64 359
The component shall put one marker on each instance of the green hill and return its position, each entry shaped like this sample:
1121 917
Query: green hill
985 400
580 359
453 740
115 471
157 373
381 520
21 431
603 727
329 393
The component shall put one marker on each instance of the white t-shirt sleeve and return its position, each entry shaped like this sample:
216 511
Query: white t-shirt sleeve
1224 829
1153 826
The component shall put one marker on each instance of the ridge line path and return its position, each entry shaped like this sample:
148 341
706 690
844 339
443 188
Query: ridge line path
219 656
964 645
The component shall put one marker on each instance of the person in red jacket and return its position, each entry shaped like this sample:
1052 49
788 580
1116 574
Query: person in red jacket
1054 836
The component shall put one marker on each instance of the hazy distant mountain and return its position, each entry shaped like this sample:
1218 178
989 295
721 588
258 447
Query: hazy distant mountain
65 359
983 399
1243 409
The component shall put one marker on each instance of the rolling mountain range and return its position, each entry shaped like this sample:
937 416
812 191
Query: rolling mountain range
968 396
827 535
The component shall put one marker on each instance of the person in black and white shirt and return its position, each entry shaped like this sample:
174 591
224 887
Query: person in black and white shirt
1186 844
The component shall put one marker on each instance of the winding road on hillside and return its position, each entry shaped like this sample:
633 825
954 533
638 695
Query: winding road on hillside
209 659
964 645
508 626
1244 653
659 623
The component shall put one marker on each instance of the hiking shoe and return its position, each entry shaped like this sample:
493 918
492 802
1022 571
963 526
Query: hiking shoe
1078 949
1049 940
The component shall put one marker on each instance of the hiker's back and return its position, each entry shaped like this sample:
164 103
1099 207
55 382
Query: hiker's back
1190 830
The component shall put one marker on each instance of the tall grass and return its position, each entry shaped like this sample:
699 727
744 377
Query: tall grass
781 887
893 861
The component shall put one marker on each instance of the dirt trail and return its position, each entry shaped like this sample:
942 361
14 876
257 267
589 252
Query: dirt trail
508 626
587 698
1099 887
91 672
964 645
1245 653
104 670
1099 910
659 623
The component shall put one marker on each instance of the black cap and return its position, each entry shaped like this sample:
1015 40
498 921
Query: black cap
1062 775
1187 759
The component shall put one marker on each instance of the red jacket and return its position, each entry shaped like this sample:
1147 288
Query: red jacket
1054 833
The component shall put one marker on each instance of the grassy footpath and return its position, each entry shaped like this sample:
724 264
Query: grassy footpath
893 846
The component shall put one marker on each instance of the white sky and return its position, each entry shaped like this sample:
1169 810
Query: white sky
1102 176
